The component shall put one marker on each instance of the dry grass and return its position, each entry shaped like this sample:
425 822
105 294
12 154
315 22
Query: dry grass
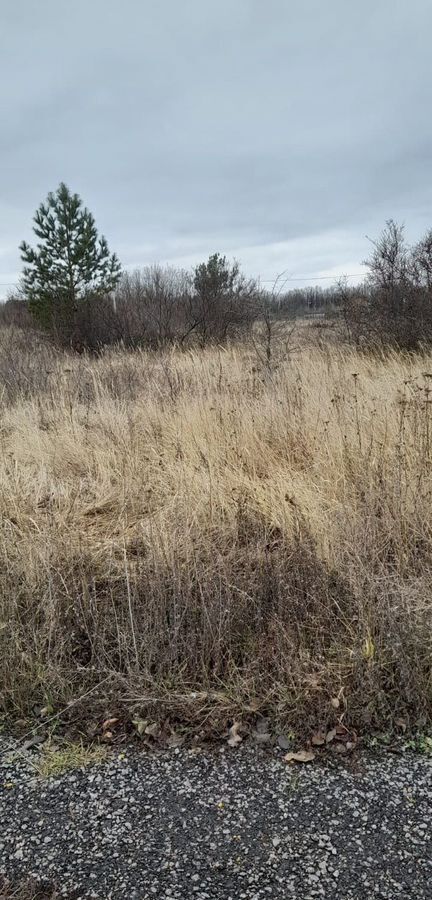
215 536
26 890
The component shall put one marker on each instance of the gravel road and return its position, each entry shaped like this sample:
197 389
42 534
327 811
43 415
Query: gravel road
229 824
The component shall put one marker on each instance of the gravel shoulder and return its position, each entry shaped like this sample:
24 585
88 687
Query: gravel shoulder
229 824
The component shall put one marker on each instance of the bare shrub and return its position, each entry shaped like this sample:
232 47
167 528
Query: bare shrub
93 325
151 305
421 262
394 307
273 339
14 312
158 306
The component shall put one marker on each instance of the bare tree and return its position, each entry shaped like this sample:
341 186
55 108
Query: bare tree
422 261
394 306
151 304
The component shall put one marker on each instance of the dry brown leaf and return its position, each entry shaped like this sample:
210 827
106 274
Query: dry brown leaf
330 736
175 740
302 756
318 739
340 748
335 702
108 724
152 730
340 729
234 737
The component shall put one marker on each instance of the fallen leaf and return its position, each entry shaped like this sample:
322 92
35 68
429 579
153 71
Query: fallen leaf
140 725
302 756
335 702
109 723
284 741
318 739
340 748
152 730
261 737
234 736
262 725
107 735
175 740
330 736
33 742
340 729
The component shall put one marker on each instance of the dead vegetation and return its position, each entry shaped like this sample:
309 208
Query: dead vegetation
202 534
26 890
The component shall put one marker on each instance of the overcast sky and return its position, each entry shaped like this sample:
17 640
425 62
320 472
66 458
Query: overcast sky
281 132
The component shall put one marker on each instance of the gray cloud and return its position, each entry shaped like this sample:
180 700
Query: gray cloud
279 132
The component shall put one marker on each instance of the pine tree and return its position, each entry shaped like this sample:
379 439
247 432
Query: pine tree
70 264
223 301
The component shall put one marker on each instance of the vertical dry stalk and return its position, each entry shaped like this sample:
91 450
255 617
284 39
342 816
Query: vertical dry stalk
188 524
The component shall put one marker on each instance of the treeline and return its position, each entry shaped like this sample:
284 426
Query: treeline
150 307
391 307
309 301
73 288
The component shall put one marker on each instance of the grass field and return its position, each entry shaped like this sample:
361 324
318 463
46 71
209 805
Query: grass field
26 891
200 535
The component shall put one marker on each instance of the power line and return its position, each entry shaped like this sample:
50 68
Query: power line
262 280
313 277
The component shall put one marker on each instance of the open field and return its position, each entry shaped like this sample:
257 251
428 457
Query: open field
200 535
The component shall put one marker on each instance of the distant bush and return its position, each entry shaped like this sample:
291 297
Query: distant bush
306 301
15 312
164 305
394 306
151 307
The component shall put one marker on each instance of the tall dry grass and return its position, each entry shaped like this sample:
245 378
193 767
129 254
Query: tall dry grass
203 536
